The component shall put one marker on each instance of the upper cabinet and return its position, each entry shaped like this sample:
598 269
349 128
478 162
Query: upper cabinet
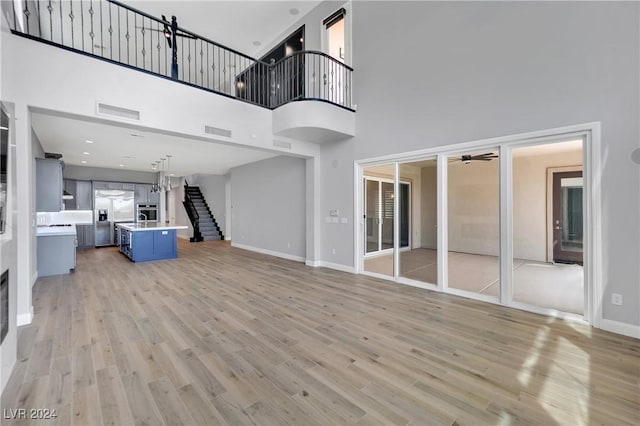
49 185
145 196
81 192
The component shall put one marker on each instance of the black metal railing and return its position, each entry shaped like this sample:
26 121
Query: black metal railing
192 213
118 33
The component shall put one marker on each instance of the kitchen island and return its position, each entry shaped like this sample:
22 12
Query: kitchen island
144 242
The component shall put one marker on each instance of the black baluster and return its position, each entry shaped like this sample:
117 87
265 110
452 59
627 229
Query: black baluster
135 35
61 23
128 37
101 32
50 9
81 22
110 34
119 39
39 19
71 17
91 34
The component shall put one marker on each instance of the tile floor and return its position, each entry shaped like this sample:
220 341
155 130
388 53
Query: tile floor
546 285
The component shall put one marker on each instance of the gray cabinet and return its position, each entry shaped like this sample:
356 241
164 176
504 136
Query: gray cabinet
49 185
82 194
86 236
56 254
145 196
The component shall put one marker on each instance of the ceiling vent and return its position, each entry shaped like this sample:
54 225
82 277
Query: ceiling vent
217 131
119 112
282 144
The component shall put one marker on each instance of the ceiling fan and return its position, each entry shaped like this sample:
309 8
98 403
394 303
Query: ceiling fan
467 158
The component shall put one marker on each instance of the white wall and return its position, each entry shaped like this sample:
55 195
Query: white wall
268 206
8 260
462 79
429 207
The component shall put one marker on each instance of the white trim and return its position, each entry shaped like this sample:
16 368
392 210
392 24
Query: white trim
269 252
34 278
505 218
329 265
358 218
24 319
620 328
589 132
416 283
442 239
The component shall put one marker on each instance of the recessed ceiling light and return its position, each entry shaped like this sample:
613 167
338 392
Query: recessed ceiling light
294 11
86 153
172 174
88 141
83 162
256 43
121 165
4 128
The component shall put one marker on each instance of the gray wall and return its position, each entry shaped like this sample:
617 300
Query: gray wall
110 175
213 189
268 205
438 73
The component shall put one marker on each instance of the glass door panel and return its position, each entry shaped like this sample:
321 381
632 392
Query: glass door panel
418 221
548 226
474 223
372 216
387 216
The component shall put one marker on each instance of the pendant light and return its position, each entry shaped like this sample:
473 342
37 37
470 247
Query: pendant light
163 186
169 172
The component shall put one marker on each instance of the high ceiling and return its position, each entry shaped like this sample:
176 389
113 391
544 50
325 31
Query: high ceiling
239 25
120 147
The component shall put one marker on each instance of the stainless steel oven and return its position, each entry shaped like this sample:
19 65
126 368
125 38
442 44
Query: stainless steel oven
147 213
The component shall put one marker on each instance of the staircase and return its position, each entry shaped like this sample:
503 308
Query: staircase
205 227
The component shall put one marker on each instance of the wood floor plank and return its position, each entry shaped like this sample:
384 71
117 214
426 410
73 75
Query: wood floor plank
227 336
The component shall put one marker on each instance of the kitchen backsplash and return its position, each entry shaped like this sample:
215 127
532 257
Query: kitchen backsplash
71 217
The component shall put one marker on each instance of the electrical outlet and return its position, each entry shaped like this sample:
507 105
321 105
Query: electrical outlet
616 299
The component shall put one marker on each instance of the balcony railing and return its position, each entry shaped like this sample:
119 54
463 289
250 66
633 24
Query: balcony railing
120 34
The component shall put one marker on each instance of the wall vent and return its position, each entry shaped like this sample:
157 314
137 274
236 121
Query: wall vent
120 112
217 131
282 144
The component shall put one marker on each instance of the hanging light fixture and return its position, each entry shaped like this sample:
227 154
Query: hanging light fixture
163 186
168 177
154 185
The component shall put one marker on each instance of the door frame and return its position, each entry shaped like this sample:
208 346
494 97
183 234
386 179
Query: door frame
550 172
380 180
324 42
591 135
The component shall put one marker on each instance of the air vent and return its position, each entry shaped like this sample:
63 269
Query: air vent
217 131
281 144
54 155
120 112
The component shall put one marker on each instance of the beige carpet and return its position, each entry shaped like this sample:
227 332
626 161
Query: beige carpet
544 285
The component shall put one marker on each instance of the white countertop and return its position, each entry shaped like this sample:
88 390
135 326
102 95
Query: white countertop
49 231
151 226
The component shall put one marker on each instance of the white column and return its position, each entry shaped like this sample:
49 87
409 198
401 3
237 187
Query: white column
313 212
26 187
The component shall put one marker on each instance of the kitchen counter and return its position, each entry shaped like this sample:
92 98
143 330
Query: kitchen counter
45 231
151 226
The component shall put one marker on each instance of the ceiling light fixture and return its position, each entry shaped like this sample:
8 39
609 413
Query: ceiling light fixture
168 184
121 165
84 161
256 43
86 153
294 11
88 141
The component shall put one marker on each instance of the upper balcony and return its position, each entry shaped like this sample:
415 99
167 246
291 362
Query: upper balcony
117 33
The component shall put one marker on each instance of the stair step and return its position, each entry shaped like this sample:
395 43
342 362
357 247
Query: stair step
211 238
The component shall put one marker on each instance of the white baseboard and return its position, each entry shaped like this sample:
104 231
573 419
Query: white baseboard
24 319
620 328
34 278
269 252
336 266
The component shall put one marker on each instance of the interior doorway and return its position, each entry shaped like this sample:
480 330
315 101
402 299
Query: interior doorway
567 217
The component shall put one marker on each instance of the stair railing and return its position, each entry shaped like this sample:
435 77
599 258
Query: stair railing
121 34
192 212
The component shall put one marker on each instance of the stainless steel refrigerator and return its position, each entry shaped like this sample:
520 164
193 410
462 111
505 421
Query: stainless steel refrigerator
112 206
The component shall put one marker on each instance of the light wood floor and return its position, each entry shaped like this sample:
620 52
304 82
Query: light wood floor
226 336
